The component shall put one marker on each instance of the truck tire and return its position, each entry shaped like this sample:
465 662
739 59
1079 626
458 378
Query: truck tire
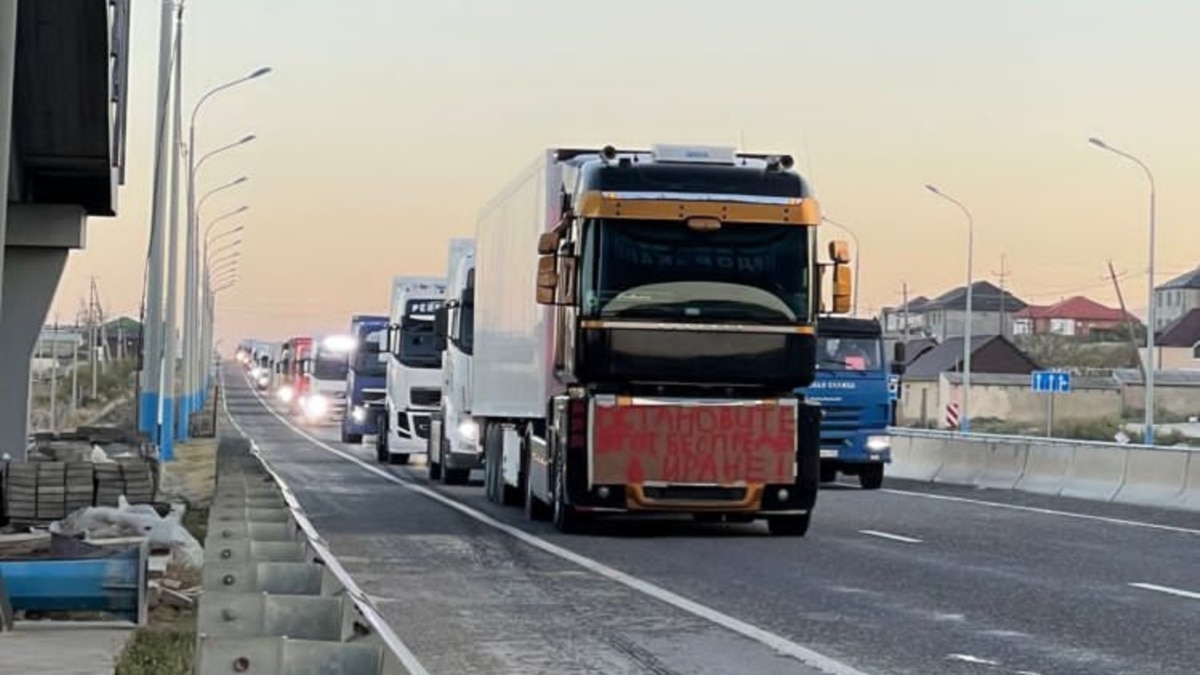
381 448
352 439
435 470
828 472
870 476
566 519
789 526
398 458
492 480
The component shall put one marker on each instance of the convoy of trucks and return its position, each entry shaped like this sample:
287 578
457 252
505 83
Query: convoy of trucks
629 331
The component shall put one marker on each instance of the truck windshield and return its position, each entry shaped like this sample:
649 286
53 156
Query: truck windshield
331 366
849 353
663 269
366 357
418 348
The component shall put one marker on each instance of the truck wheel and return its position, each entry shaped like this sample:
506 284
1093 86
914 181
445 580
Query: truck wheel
566 519
456 476
435 470
352 439
381 448
491 464
535 509
870 476
789 526
398 458
828 472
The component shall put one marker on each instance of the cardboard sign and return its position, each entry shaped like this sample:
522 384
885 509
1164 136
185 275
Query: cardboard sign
856 363
698 444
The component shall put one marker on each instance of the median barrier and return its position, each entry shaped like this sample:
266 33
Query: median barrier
1105 472
276 601
1005 465
1153 477
1096 472
1045 467
962 462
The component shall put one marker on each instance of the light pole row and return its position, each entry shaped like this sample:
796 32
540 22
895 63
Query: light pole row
1151 313
164 409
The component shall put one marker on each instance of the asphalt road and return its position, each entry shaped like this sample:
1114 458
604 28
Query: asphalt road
911 579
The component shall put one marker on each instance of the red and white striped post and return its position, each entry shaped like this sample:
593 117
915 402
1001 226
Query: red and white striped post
952 415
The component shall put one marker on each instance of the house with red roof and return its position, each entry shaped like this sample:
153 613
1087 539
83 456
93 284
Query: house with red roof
1076 316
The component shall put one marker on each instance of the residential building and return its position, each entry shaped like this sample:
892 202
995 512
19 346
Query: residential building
928 360
945 316
1177 347
1176 298
905 320
1077 316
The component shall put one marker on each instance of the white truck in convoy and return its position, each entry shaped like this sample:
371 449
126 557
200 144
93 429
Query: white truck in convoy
644 319
324 399
414 369
453 435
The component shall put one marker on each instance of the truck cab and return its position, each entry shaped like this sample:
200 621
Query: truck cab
326 372
293 385
366 383
453 434
854 385
413 369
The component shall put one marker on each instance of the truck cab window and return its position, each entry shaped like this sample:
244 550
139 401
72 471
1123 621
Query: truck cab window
418 348
849 353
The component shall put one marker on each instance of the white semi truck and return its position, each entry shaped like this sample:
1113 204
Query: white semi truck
324 399
414 386
643 320
453 435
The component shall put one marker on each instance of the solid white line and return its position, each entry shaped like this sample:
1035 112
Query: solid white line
893 537
1168 590
1048 512
779 643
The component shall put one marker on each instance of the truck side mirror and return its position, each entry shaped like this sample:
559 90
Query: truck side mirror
842 289
441 323
548 243
899 358
547 278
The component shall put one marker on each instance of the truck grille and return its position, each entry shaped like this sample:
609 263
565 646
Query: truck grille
429 398
839 423
694 493
373 396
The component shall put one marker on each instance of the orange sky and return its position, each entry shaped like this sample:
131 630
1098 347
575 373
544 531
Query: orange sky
386 126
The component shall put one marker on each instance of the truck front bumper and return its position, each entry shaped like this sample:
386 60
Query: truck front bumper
865 447
362 420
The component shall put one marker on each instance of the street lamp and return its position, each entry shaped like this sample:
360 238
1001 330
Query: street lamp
208 258
221 235
965 421
221 260
232 183
1151 314
857 255
228 214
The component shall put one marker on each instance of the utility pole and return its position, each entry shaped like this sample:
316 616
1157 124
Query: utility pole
1002 275
54 378
1129 324
92 333
904 312
75 374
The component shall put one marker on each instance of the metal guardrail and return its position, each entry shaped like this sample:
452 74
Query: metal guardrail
276 600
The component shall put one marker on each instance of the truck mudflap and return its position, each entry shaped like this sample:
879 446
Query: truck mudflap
729 456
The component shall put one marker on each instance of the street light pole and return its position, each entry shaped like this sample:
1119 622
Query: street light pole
192 398
857 257
1151 312
151 376
169 430
965 421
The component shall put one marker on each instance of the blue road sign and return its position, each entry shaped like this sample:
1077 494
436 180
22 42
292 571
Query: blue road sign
1050 382
893 387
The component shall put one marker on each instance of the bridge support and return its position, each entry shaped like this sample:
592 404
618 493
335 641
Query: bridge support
39 237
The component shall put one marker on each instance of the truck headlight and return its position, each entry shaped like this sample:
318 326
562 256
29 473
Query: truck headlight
878 444
469 430
316 405
359 414
285 393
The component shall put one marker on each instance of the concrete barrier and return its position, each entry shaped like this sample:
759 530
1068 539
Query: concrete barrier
1153 477
1096 473
1107 472
276 601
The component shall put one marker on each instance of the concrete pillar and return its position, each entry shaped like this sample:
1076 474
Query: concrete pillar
8 60
35 253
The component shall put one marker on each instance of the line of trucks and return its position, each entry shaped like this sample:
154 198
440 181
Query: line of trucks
629 331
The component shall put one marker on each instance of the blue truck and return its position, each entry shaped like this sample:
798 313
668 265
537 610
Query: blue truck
857 392
366 381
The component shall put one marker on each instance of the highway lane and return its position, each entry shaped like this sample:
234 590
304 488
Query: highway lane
915 581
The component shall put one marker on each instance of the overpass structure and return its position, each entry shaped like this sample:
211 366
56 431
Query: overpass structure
63 77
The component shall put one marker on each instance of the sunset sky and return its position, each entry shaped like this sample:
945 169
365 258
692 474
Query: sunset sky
387 124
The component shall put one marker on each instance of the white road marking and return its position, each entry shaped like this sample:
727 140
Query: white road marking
1047 512
1167 589
887 535
967 658
777 642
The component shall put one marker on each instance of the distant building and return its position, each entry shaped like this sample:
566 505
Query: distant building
1076 316
928 360
905 320
1177 347
1176 298
945 316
